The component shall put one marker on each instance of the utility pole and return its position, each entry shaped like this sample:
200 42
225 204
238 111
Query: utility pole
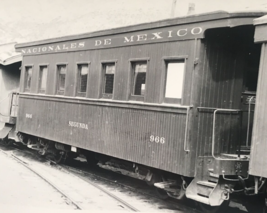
173 8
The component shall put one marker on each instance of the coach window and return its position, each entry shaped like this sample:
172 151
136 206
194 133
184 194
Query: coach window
108 79
61 78
138 88
42 79
28 78
83 72
174 81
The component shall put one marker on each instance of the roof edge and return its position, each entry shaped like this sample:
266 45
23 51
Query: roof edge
261 20
150 25
11 60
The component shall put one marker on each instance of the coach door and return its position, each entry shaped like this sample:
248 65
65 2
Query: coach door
248 97
247 108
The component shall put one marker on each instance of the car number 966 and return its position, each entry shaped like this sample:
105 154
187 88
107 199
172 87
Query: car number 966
157 139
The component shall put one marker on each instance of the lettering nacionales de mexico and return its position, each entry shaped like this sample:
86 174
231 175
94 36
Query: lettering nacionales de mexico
54 48
149 36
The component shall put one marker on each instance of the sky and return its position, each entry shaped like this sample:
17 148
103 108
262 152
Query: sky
30 20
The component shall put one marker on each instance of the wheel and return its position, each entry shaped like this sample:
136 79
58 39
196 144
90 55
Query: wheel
56 158
72 155
19 145
6 142
162 194
179 196
91 160
213 209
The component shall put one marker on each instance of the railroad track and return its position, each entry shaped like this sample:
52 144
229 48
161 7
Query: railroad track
25 164
115 181
174 205
69 198
97 178
82 175
93 179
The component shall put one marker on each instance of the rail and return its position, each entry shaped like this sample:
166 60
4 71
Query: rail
76 204
76 172
25 164
90 174
213 131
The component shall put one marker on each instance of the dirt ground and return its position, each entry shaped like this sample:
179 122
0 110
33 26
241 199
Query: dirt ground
22 190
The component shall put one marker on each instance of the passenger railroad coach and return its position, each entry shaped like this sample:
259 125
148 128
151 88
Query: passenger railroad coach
170 102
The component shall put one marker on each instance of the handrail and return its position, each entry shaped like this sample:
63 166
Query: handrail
249 111
186 128
14 95
213 131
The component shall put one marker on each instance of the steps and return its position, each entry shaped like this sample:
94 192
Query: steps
204 188
199 199
207 191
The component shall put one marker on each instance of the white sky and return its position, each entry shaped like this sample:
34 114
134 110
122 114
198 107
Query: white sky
27 20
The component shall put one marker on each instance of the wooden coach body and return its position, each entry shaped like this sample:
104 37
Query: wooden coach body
147 124
258 161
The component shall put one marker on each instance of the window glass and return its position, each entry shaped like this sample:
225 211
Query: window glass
28 78
62 70
109 72
139 81
83 71
42 78
174 80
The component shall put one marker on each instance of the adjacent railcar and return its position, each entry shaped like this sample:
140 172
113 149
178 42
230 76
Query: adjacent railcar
171 100
259 138
10 63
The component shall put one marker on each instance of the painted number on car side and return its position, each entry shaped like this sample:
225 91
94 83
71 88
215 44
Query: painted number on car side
28 115
157 139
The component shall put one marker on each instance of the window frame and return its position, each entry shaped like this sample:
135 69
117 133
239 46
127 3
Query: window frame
25 77
103 72
39 82
166 61
58 92
131 78
77 92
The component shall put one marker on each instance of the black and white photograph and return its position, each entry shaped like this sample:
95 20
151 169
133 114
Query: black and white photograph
133 106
